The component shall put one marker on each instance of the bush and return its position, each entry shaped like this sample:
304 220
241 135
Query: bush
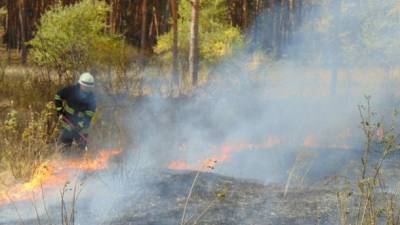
72 39
26 140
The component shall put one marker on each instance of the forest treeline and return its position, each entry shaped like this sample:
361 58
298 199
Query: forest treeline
187 36
142 22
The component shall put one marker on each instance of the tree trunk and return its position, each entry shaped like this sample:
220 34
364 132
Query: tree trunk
194 42
143 44
285 21
111 20
245 14
143 28
11 36
299 12
174 10
231 8
23 39
155 23
273 27
256 26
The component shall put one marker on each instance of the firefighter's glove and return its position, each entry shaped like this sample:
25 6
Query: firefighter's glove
81 125
59 111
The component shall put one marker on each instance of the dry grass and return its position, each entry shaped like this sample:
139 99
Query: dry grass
27 140
28 124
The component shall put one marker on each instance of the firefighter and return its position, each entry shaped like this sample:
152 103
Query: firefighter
76 106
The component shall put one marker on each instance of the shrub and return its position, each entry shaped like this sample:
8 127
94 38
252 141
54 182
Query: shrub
72 39
26 143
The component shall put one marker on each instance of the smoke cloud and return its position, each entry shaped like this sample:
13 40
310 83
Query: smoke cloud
306 101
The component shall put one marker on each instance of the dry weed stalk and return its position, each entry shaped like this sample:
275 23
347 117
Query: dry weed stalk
49 219
301 167
343 207
188 197
16 210
33 200
370 188
69 218
220 195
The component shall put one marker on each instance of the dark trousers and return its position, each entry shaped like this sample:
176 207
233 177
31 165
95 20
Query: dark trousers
68 136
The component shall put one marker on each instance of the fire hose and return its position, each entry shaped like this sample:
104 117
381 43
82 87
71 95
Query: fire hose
74 127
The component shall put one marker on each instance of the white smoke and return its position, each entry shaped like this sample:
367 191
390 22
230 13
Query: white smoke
252 97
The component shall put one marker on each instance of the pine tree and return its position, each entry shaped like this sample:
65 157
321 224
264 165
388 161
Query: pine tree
194 42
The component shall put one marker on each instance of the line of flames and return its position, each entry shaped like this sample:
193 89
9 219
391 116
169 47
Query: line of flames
56 173
225 152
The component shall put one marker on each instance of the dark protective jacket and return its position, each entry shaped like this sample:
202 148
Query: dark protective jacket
76 107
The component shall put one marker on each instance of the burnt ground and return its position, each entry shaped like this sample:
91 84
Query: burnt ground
215 199
223 200
158 197
218 199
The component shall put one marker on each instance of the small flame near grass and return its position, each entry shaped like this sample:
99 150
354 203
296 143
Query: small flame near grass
54 174
222 154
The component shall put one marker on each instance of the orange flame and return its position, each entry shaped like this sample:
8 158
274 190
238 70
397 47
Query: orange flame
338 141
271 142
310 142
223 154
55 174
179 165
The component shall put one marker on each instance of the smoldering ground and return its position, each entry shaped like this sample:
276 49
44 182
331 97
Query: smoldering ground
306 101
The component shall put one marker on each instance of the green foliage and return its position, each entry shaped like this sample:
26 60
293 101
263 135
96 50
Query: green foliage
73 39
217 37
10 126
